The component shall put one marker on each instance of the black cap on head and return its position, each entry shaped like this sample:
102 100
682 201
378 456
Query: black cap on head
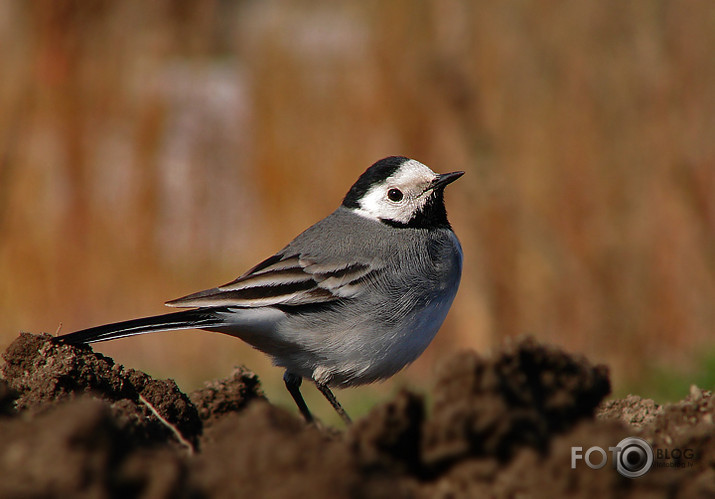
376 173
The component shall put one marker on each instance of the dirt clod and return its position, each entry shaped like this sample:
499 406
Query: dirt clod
44 373
521 397
77 449
388 439
228 395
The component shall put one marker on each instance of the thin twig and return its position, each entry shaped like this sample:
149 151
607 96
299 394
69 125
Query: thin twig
166 423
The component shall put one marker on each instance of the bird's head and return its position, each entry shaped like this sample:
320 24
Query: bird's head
401 192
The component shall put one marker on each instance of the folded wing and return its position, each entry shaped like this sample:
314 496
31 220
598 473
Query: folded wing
287 280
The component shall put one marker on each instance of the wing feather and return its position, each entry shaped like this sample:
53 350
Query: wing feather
286 280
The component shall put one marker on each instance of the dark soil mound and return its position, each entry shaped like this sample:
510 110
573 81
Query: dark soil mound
73 423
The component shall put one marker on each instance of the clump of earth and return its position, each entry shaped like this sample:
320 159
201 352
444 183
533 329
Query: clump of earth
73 423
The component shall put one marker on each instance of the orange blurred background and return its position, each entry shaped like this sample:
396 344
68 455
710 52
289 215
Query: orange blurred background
152 149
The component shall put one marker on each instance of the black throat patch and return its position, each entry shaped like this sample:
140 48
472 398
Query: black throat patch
433 215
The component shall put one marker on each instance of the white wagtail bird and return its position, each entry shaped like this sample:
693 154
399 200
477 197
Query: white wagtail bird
351 300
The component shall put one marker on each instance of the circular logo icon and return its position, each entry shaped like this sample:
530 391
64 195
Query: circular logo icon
635 457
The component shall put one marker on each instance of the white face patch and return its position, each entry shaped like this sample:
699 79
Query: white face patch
400 196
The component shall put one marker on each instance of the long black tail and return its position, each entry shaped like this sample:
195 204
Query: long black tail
186 319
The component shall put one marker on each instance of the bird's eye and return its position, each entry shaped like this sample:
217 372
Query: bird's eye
394 195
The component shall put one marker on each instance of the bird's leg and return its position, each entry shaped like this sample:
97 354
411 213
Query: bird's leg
334 402
293 385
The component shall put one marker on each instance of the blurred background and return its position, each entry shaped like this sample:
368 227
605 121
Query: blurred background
152 149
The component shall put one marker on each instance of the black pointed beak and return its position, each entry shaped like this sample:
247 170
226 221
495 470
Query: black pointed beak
445 178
